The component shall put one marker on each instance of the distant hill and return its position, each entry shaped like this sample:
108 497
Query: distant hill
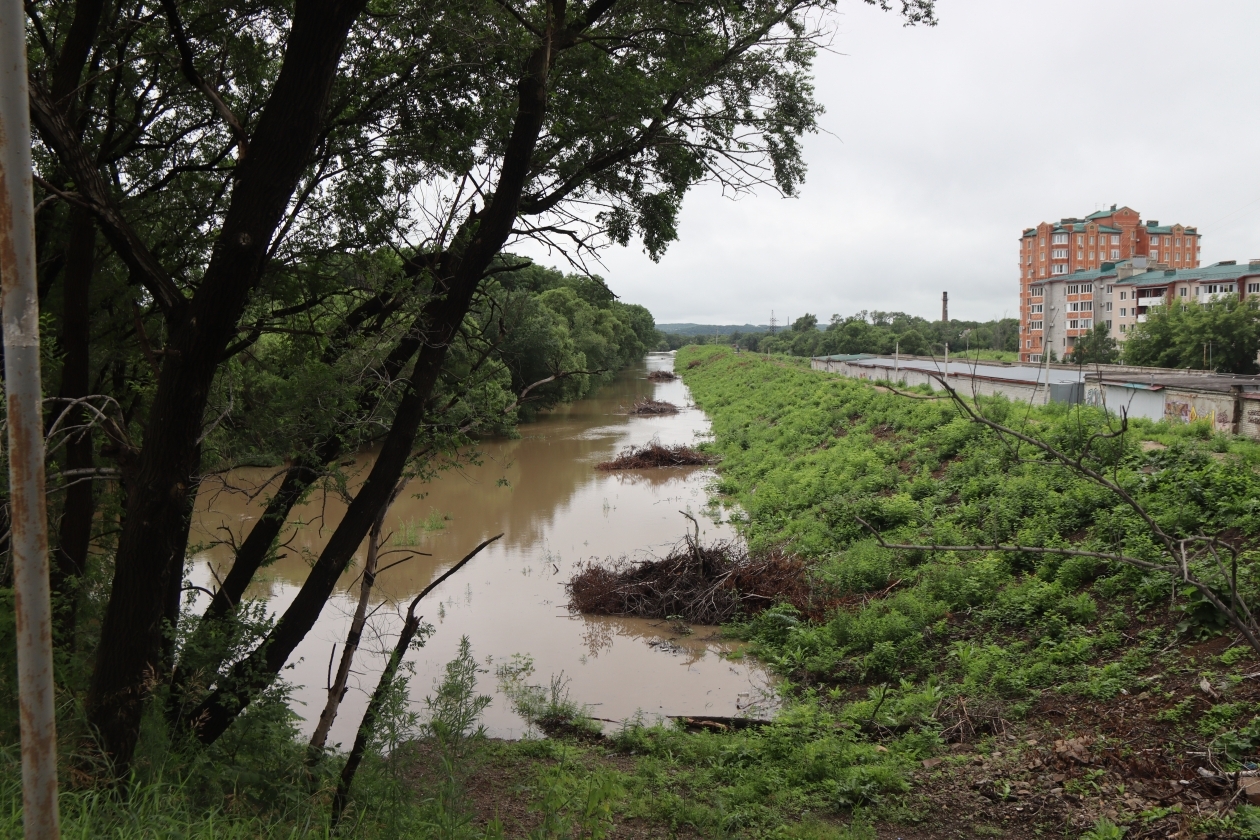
712 329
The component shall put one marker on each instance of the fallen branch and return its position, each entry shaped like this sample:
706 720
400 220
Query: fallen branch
655 454
368 725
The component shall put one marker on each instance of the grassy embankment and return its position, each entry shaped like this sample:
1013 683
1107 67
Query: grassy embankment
952 694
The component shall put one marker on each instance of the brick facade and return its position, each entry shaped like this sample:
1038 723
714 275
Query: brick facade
1052 252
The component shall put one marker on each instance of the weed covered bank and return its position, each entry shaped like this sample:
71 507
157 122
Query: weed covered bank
1009 692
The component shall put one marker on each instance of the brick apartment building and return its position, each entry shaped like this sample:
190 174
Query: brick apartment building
1058 258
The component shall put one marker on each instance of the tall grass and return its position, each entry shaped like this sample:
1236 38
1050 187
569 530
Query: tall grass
254 783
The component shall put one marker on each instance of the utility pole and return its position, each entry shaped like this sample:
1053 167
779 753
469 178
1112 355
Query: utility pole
773 323
23 392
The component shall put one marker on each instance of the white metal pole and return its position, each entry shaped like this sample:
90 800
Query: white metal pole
23 394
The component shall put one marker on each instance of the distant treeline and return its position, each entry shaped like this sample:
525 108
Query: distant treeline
867 332
712 329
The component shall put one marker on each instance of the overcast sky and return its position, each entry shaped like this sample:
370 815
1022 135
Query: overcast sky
946 142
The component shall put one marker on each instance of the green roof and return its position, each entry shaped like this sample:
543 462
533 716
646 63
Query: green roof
1208 273
1106 229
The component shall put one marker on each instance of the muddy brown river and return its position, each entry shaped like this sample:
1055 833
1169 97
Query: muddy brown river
555 511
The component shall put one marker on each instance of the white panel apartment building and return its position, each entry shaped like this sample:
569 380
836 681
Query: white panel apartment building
1062 308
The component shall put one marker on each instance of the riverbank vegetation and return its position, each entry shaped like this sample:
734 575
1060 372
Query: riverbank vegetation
271 235
1075 688
883 333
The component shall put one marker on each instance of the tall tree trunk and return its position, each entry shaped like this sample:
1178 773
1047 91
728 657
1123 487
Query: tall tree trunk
75 530
257 546
152 543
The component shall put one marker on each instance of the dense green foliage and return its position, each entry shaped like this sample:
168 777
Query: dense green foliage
256 782
804 454
884 333
1095 347
1222 335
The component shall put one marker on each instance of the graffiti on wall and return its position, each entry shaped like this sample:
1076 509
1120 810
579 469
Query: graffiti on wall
1185 412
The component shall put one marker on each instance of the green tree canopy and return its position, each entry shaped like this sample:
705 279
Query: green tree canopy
1221 335
1095 347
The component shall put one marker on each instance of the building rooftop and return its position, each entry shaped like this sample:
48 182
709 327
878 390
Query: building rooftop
1198 381
1222 271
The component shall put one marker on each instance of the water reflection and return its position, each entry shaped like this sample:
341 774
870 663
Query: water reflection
555 510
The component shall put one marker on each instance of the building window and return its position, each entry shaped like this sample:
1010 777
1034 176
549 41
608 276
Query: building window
1183 291
1115 253
1074 325
1043 241
1253 288
1108 306
1122 295
1028 344
1034 326
1122 328
1087 323
1036 308
1060 269
1115 239
1035 291
1154 255
1108 325
1123 312
1073 290
1060 239
1043 256
1091 255
1058 254
1178 242
1043 271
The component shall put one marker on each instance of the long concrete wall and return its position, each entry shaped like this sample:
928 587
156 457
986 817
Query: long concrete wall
1228 413
964 383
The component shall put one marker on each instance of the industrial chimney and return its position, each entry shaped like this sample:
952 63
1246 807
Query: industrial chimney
945 307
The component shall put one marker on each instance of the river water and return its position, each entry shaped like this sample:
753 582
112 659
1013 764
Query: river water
555 510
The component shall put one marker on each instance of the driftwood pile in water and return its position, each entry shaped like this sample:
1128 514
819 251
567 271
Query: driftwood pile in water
655 454
662 376
701 584
646 406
